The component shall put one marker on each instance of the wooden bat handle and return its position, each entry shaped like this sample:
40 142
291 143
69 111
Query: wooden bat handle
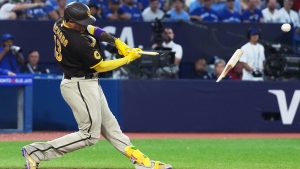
148 53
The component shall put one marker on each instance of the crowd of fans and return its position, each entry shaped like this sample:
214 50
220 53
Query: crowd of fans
270 11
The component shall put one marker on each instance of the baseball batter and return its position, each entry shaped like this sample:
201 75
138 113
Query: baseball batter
77 53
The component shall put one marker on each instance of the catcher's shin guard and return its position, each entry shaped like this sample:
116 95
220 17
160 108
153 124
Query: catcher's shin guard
141 161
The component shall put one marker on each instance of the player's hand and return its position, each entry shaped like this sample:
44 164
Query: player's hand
133 54
40 4
123 49
9 73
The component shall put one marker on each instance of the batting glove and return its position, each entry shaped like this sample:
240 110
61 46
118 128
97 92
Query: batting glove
123 49
133 54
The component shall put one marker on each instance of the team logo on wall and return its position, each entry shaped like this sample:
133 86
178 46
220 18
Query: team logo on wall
287 112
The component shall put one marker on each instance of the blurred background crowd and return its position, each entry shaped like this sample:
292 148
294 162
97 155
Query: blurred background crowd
12 61
269 11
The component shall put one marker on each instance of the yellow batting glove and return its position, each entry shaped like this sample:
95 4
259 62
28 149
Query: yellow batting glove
123 49
133 54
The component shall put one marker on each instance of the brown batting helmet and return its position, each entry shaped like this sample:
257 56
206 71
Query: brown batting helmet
79 13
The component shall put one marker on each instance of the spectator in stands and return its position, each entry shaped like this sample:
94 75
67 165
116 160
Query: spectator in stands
264 5
83 1
152 12
205 13
177 13
238 6
296 6
218 5
143 4
6 72
42 13
168 37
253 57
61 7
95 11
229 14
102 4
10 56
271 14
9 9
288 15
199 71
53 3
113 12
195 4
252 14
32 66
219 67
130 12
236 73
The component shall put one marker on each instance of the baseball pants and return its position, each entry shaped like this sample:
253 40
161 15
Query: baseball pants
93 116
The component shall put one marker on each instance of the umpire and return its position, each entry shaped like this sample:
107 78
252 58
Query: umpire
77 53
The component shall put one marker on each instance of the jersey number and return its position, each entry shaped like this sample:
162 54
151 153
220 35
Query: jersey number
57 49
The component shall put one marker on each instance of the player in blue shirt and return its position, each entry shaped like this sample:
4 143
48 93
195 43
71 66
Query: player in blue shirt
178 13
113 12
228 14
205 13
130 12
195 4
252 14
42 13
102 4
10 58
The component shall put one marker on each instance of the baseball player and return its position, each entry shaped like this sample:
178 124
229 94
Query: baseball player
77 53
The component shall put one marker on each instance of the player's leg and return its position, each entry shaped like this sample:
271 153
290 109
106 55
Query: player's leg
83 98
110 129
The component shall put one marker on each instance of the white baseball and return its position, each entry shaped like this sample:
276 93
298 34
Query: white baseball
286 27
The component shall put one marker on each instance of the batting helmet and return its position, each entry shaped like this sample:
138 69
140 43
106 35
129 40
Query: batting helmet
6 37
79 13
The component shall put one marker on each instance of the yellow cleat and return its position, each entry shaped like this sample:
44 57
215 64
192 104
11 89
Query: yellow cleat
141 161
136 156
161 165
30 162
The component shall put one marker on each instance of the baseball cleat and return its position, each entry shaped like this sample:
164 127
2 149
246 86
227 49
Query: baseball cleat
154 165
30 162
161 165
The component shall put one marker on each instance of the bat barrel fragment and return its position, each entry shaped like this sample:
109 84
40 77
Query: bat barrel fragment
231 63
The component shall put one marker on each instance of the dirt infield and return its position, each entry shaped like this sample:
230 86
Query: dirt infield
53 135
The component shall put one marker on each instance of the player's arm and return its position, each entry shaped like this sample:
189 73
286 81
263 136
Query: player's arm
104 66
20 58
23 6
247 67
101 35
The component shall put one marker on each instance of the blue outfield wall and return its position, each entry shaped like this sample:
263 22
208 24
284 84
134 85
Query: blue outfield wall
51 112
180 106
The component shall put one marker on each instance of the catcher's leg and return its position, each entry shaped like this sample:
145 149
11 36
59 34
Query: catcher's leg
110 129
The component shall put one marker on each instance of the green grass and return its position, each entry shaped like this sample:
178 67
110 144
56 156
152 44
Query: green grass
181 153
